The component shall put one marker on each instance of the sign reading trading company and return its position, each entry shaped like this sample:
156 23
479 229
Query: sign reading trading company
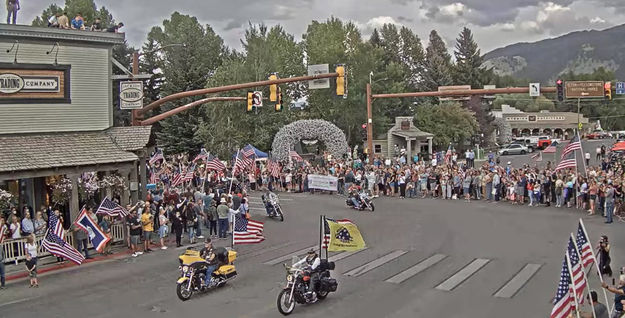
34 83
584 89
131 95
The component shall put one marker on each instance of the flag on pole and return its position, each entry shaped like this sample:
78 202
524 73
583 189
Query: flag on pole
295 156
325 240
448 154
567 159
248 151
111 208
241 162
177 180
96 235
584 246
551 149
188 176
213 163
202 156
577 274
344 236
156 157
56 245
562 302
247 231
3 232
572 146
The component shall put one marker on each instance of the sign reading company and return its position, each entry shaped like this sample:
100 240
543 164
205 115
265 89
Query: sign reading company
131 95
321 182
34 83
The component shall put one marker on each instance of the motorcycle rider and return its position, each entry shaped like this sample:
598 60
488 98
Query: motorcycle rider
313 261
208 254
355 197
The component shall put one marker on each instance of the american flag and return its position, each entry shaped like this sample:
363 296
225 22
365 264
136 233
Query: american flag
568 160
583 245
178 178
579 281
562 302
325 240
241 162
573 145
295 156
188 176
247 231
448 154
153 178
275 172
109 207
202 156
248 151
213 163
538 156
551 149
156 157
3 232
55 244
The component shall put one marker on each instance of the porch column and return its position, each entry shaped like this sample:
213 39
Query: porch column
123 200
73 203
108 192
134 183
408 150
430 146
142 174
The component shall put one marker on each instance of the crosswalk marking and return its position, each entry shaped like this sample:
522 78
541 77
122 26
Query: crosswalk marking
254 253
518 281
374 264
416 269
340 256
462 275
289 256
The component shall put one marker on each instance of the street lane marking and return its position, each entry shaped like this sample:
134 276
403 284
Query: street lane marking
265 250
17 301
462 275
375 263
518 281
416 269
289 256
340 256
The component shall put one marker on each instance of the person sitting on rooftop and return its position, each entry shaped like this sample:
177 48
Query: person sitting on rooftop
78 23
115 28
63 21
97 25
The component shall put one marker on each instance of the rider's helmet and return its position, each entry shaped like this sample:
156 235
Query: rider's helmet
310 257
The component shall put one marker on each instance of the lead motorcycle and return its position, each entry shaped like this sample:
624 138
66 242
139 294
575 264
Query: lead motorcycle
193 272
298 289
365 201
272 205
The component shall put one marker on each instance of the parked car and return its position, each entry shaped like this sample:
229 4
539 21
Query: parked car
513 149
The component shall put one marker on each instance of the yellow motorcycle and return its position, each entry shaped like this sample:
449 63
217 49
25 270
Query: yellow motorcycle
193 272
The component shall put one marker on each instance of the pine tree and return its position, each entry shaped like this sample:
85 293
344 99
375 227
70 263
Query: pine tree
375 38
438 65
468 70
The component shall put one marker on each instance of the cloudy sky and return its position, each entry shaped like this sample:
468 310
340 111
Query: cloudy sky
495 23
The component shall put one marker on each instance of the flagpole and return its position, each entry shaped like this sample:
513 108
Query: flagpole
607 301
568 263
205 171
581 263
232 178
581 149
234 226
320 233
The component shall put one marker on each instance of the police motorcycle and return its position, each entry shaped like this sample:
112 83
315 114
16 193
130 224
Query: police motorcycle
363 198
272 205
298 287
193 272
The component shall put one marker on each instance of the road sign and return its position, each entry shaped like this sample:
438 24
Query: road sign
534 89
131 95
316 70
584 89
489 87
580 126
257 99
454 88
620 88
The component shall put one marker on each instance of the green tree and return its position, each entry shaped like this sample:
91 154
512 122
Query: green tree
468 69
185 68
438 66
449 122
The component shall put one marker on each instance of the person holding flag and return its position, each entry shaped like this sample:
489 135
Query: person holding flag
619 296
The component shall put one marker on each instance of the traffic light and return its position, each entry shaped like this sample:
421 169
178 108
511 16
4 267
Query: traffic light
340 81
250 101
560 90
607 90
273 89
279 100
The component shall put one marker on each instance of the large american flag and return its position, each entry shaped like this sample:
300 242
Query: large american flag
156 157
295 156
109 207
55 244
584 246
562 302
202 156
241 162
247 231
213 163
567 159
248 151
573 145
579 281
550 149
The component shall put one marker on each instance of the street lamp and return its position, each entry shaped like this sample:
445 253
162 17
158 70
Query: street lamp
135 71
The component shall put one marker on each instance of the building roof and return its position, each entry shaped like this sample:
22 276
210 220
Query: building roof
20 32
412 133
55 150
130 138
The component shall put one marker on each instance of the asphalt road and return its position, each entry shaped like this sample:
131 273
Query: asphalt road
436 259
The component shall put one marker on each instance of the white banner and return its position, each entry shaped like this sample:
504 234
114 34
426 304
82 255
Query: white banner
328 183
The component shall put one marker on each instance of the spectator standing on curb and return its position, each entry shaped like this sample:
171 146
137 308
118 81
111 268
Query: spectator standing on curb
105 225
147 221
603 254
135 231
162 231
619 295
212 218
39 224
12 7
176 224
28 227
81 238
31 259
222 214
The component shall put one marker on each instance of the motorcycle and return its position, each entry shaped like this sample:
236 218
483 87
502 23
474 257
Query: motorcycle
365 201
272 205
193 272
298 289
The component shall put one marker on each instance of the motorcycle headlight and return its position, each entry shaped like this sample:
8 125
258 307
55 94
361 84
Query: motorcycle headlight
185 269
289 278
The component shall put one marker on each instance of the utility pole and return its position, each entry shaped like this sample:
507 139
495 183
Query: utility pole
369 124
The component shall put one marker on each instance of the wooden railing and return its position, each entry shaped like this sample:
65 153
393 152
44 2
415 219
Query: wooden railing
14 249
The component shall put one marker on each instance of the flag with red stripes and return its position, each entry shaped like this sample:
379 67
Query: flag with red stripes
177 180
247 231
584 246
188 176
577 271
202 156
213 163
3 232
551 149
563 301
568 160
56 245
156 157
295 156
572 146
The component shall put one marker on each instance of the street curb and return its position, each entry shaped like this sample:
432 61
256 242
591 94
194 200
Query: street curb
68 264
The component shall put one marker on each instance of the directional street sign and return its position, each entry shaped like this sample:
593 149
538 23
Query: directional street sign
620 88
316 70
534 89
584 89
